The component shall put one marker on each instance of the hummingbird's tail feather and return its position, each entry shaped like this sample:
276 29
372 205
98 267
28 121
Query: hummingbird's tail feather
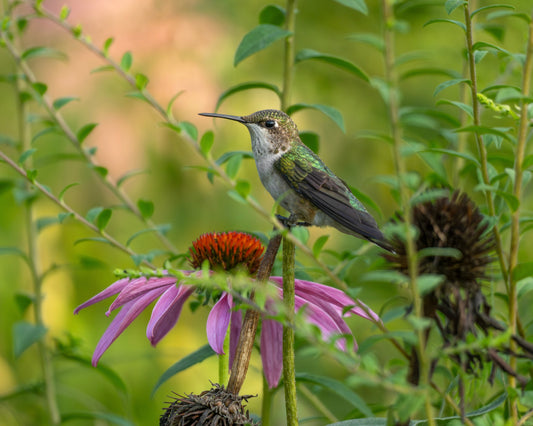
383 243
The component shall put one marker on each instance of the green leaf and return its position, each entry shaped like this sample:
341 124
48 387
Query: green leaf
319 244
427 283
102 171
93 213
189 129
77 31
6 185
126 61
95 415
329 111
65 189
453 153
103 68
61 102
93 239
39 51
206 142
31 175
365 199
451 5
358 5
507 13
183 364
44 222
13 250
246 86
496 402
448 21
23 301
26 154
369 421
272 14
310 54
492 6
103 219
369 38
484 45
171 102
311 140
128 175
338 388
26 334
162 229
62 216
522 270
233 166
450 83
141 81
466 108
146 208
483 130
509 198
40 88
258 39
107 372
85 131
107 45
64 13
243 188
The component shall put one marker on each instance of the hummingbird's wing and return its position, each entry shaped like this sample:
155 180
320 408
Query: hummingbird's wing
305 172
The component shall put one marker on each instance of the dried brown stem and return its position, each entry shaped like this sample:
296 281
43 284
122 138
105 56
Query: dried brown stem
251 320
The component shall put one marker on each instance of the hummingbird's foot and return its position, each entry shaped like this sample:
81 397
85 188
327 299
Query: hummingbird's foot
290 222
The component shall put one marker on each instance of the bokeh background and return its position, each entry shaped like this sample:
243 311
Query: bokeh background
189 46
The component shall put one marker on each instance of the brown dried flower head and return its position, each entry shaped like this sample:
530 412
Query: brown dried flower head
216 407
227 251
449 222
457 305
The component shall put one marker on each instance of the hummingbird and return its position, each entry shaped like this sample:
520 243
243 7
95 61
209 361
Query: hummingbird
299 179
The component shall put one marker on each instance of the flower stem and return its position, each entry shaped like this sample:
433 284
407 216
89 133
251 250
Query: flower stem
289 379
266 403
479 140
288 59
37 277
223 361
393 109
250 322
515 218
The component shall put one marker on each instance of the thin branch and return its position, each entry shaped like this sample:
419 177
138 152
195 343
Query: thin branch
69 209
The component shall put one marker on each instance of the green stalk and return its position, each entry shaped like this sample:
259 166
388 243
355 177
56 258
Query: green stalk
288 58
266 403
393 109
289 379
515 218
223 362
33 262
479 141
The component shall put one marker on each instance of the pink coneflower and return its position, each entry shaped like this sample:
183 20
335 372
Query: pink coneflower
323 305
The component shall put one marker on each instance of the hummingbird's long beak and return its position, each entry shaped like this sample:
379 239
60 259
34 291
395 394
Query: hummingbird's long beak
226 116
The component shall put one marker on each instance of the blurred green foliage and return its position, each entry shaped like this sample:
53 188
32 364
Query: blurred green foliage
190 47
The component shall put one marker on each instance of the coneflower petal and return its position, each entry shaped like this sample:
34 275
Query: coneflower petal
166 312
124 318
218 321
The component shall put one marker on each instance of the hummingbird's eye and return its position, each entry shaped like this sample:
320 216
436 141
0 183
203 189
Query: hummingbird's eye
270 123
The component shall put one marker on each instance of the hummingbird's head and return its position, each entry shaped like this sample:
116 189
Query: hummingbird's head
272 131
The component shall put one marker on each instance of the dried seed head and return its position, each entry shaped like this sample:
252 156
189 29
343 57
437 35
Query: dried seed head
216 407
